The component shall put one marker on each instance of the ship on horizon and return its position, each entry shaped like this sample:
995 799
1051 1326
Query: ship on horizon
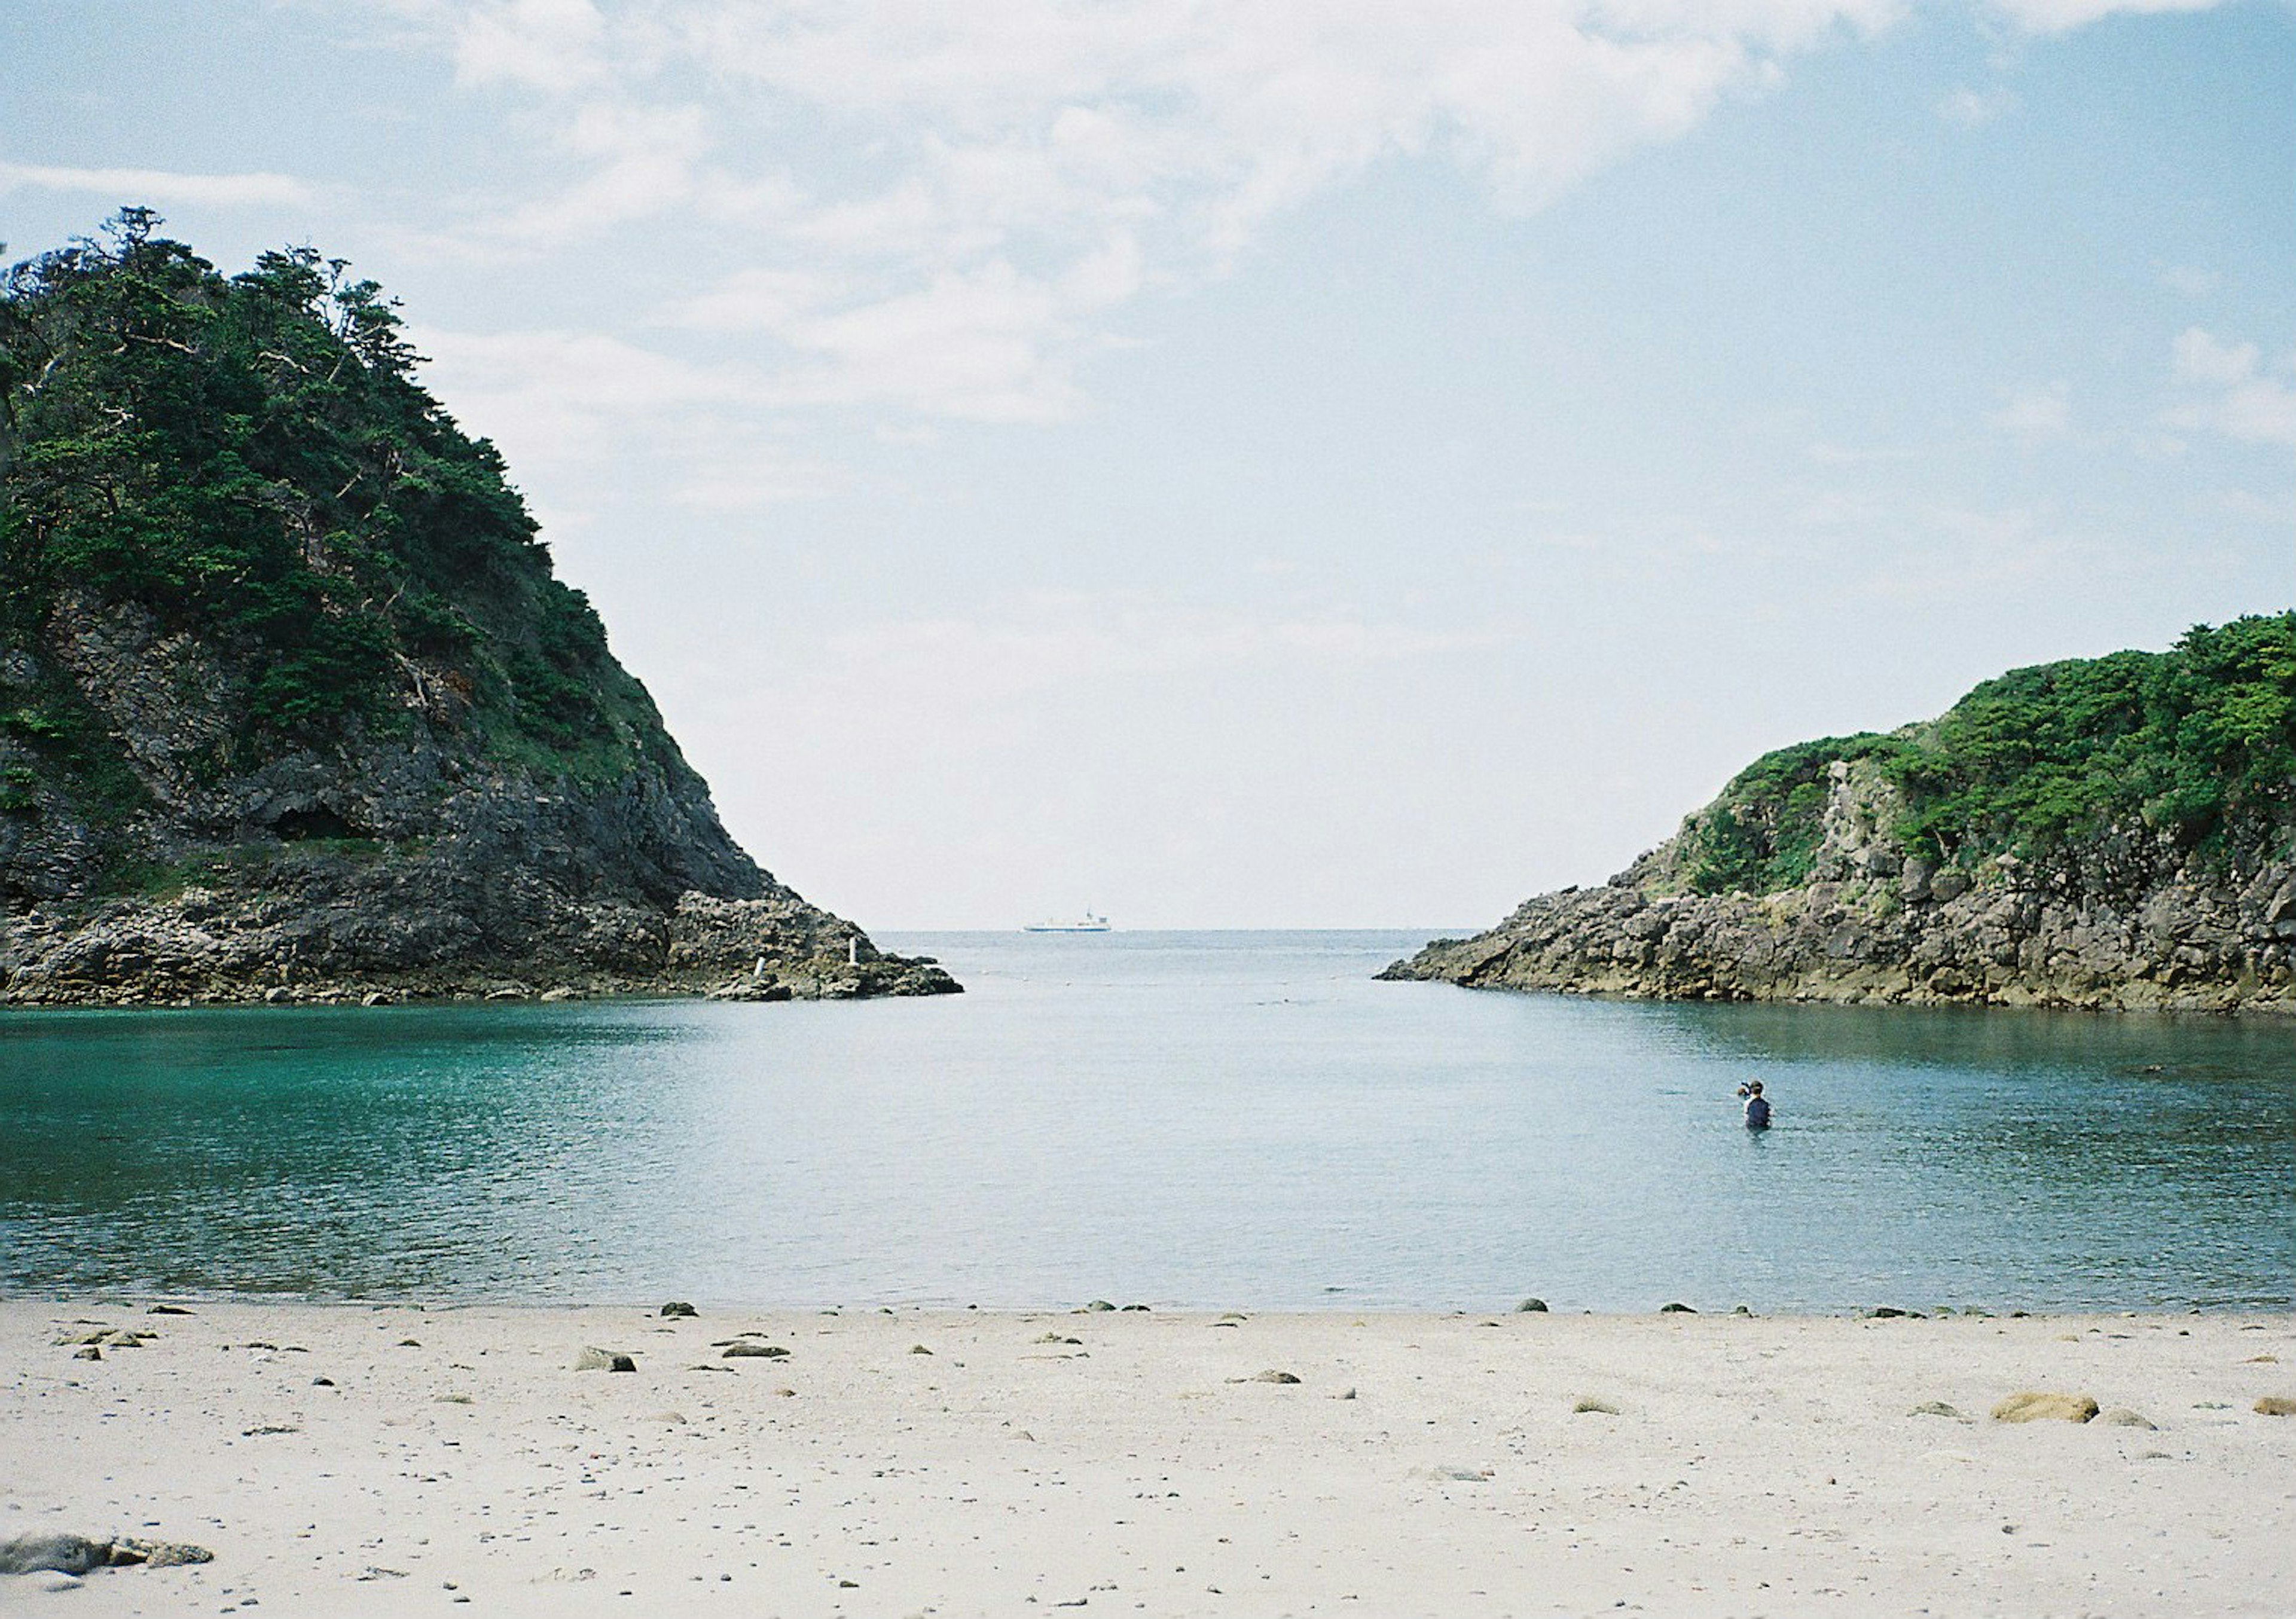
1086 923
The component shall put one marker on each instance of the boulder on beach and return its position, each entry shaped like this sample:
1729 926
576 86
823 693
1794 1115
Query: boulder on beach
604 1360
80 1553
2031 1406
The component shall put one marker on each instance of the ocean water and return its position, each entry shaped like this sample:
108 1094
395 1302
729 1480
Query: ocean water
1216 1120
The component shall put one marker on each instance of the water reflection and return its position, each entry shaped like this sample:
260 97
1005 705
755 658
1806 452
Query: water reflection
1198 1119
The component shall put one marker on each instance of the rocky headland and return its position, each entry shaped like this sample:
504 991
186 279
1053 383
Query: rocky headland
292 704
2108 834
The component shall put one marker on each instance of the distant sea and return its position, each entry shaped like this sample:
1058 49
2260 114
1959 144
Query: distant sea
1205 1119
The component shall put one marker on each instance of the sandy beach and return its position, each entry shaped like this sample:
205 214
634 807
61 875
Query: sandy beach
347 1459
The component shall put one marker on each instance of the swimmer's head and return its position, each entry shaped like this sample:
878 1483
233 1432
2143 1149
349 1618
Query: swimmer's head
1754 1087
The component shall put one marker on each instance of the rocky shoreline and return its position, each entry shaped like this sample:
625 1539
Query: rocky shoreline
2127 922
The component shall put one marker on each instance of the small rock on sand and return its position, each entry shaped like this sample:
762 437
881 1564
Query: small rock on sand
2034 1406
919 1349
2120 1416
604 1360
753 1351
1594 1406
1269 1376
1531 1306
2276 1405
1097 1307
1677 1308
678 1307
1933 1408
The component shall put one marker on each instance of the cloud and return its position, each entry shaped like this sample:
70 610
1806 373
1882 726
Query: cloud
556 397
2063 16
1056 640
557 46
2229 390
942 205
2044 412
940 209
162 186
2190 280
1972 109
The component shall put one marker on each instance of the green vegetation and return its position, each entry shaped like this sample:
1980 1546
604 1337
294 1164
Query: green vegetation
2184 742
249 462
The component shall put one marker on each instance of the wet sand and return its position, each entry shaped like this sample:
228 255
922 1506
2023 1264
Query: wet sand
343 1458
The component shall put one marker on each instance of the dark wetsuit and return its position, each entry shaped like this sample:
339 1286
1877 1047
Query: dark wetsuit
1758 1113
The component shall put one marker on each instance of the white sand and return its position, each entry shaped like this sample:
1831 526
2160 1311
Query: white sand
1752 1465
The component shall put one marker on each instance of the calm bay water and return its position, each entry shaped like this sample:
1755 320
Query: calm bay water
1202 1119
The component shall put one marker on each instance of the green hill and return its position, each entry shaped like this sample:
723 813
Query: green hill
278 636
2113 831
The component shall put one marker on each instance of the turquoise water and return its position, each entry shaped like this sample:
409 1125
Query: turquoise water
1204 1119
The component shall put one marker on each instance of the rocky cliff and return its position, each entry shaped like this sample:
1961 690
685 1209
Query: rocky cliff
291 706
2118 833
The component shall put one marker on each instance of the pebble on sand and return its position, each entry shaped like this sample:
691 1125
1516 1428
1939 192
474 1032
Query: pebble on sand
2120 1416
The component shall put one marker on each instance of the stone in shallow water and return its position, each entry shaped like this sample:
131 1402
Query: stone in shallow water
2031 1406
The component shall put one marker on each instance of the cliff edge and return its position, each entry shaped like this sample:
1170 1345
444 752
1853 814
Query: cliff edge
292 704
2109 833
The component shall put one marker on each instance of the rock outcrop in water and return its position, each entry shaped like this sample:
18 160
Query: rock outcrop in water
290 703
2116 833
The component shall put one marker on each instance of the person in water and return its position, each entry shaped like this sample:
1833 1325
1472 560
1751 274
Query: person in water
1758 1106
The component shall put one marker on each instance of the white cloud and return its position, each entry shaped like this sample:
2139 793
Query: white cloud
158 185
2062 16
973 189
1972 109
1056 640
2044 412
2190 280
937 208
550 397
556 46
2230 390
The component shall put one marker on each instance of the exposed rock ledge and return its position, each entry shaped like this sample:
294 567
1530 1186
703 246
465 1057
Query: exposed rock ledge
2129 924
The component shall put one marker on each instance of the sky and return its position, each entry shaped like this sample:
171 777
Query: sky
1299 463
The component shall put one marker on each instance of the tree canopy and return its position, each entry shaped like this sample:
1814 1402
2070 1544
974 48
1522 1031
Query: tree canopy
2181 742
251 460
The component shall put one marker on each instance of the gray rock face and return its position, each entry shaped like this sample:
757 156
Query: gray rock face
378 869
2126 922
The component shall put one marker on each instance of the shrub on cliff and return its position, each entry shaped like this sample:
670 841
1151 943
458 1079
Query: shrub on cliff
2184 742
